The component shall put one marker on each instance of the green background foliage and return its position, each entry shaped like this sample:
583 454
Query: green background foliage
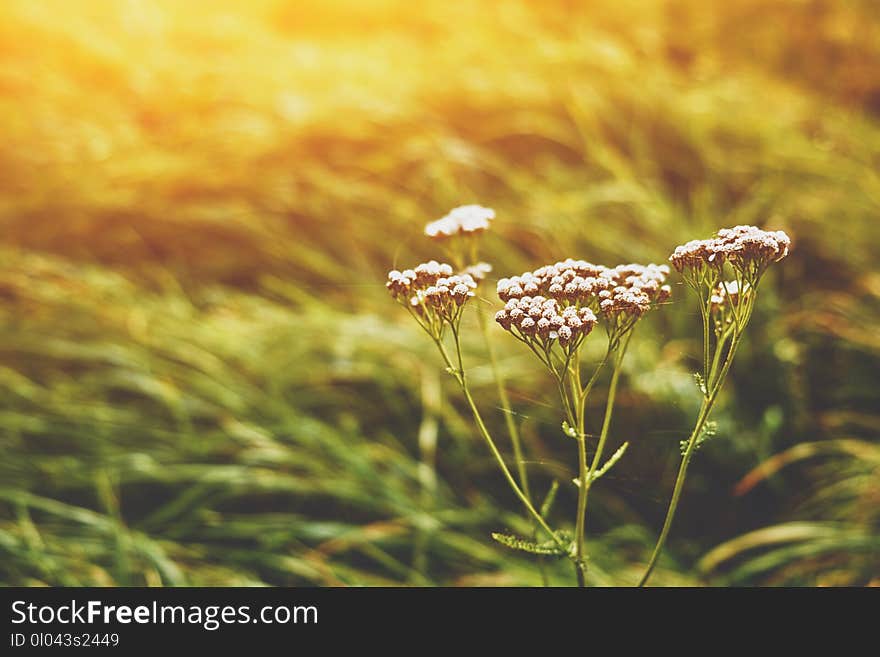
203 380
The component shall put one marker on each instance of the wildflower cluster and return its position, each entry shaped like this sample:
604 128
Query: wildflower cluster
539 321
742 254
433 294
619 295
459 234
553 309
559 305
748 249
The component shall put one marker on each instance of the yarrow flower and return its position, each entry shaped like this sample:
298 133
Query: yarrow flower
561 304
621 295
726 306
432 293
463 220
554 308
748 249
542 321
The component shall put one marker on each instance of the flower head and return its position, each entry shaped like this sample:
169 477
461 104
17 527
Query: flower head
432 293
748 249
463 220
637 288
629 289
543 321
582 291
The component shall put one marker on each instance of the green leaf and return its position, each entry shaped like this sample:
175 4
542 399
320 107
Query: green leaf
610 462
550 548
607 465
709 430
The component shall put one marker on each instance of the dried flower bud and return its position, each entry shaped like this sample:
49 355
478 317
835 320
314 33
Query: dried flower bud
399 284
565 334
430 272
460 293
509 288
588 319
693 254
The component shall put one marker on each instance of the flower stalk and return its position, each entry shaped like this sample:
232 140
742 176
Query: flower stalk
552 310
459 374
459 233
725 306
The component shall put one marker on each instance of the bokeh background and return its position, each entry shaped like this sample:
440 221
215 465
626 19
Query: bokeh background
204 382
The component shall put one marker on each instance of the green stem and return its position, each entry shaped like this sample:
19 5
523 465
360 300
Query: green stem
719 348
580 563
702 417
706 313
609 405
606 422
580 421
505 408
458 373
587 388
569 413
583 471
512 429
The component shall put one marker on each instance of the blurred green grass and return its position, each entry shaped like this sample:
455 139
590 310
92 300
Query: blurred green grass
204 382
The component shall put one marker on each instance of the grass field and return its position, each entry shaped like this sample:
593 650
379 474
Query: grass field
204 382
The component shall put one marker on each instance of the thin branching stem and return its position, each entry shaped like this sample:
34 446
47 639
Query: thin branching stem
510 423
458 373
720 367
702 417
583 471
606 422
579 558
704 311
563 393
